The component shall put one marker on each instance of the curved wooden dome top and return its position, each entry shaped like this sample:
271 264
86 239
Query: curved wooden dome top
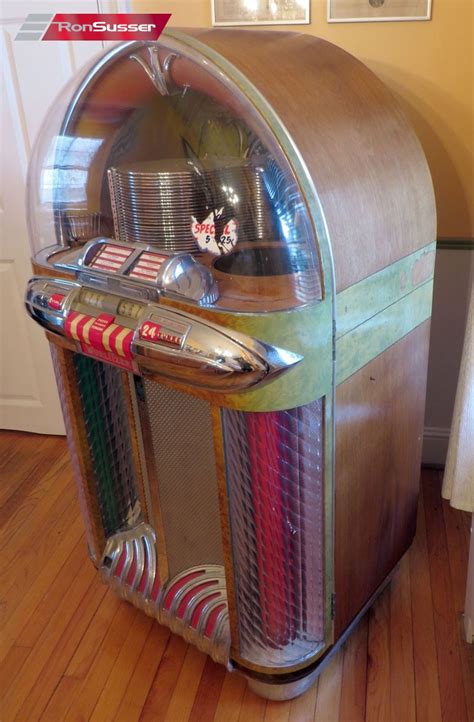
366 162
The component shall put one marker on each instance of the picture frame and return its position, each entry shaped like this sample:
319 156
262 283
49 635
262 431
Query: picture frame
366 11
227 13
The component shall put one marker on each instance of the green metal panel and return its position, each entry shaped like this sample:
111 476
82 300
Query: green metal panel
369 339
306 331
363 307
368 297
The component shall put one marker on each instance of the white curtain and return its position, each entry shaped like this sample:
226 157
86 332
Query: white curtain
458 483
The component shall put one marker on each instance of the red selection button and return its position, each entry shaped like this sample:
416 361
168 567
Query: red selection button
56 301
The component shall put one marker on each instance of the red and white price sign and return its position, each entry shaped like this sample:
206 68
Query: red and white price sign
150 331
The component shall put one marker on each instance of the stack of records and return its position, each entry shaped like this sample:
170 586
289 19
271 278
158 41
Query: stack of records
154 202
238 186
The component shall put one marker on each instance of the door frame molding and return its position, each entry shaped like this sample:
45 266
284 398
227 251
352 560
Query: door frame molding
114 6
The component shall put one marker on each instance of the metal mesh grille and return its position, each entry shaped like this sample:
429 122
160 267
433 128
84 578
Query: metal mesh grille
275 477
106 420
183 448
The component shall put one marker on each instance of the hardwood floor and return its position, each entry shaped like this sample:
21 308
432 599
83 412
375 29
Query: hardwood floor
70 650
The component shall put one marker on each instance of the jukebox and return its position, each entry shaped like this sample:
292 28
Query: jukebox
233 246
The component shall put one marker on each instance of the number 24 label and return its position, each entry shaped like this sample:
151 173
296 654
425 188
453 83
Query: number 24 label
150 331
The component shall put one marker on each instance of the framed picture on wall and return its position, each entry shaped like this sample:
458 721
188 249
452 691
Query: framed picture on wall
360 11
260 12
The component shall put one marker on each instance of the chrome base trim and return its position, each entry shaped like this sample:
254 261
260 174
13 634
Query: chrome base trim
275 690
282 692
197 610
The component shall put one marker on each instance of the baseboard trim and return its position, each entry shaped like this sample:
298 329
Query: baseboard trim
435 446
455 244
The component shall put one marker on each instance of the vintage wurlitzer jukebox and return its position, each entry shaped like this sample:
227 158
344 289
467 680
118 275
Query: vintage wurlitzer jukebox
233 255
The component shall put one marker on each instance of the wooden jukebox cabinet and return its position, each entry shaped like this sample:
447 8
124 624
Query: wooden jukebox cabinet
233 237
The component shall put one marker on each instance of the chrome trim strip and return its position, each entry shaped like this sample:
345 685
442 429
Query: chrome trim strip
135 543
192 350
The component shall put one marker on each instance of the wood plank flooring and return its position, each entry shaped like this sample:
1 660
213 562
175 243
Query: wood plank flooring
70 650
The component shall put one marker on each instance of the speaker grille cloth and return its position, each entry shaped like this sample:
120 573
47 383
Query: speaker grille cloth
183 449
275 475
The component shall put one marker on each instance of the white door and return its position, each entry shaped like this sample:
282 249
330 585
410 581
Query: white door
33 73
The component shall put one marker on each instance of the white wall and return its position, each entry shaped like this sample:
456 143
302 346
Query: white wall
453 278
